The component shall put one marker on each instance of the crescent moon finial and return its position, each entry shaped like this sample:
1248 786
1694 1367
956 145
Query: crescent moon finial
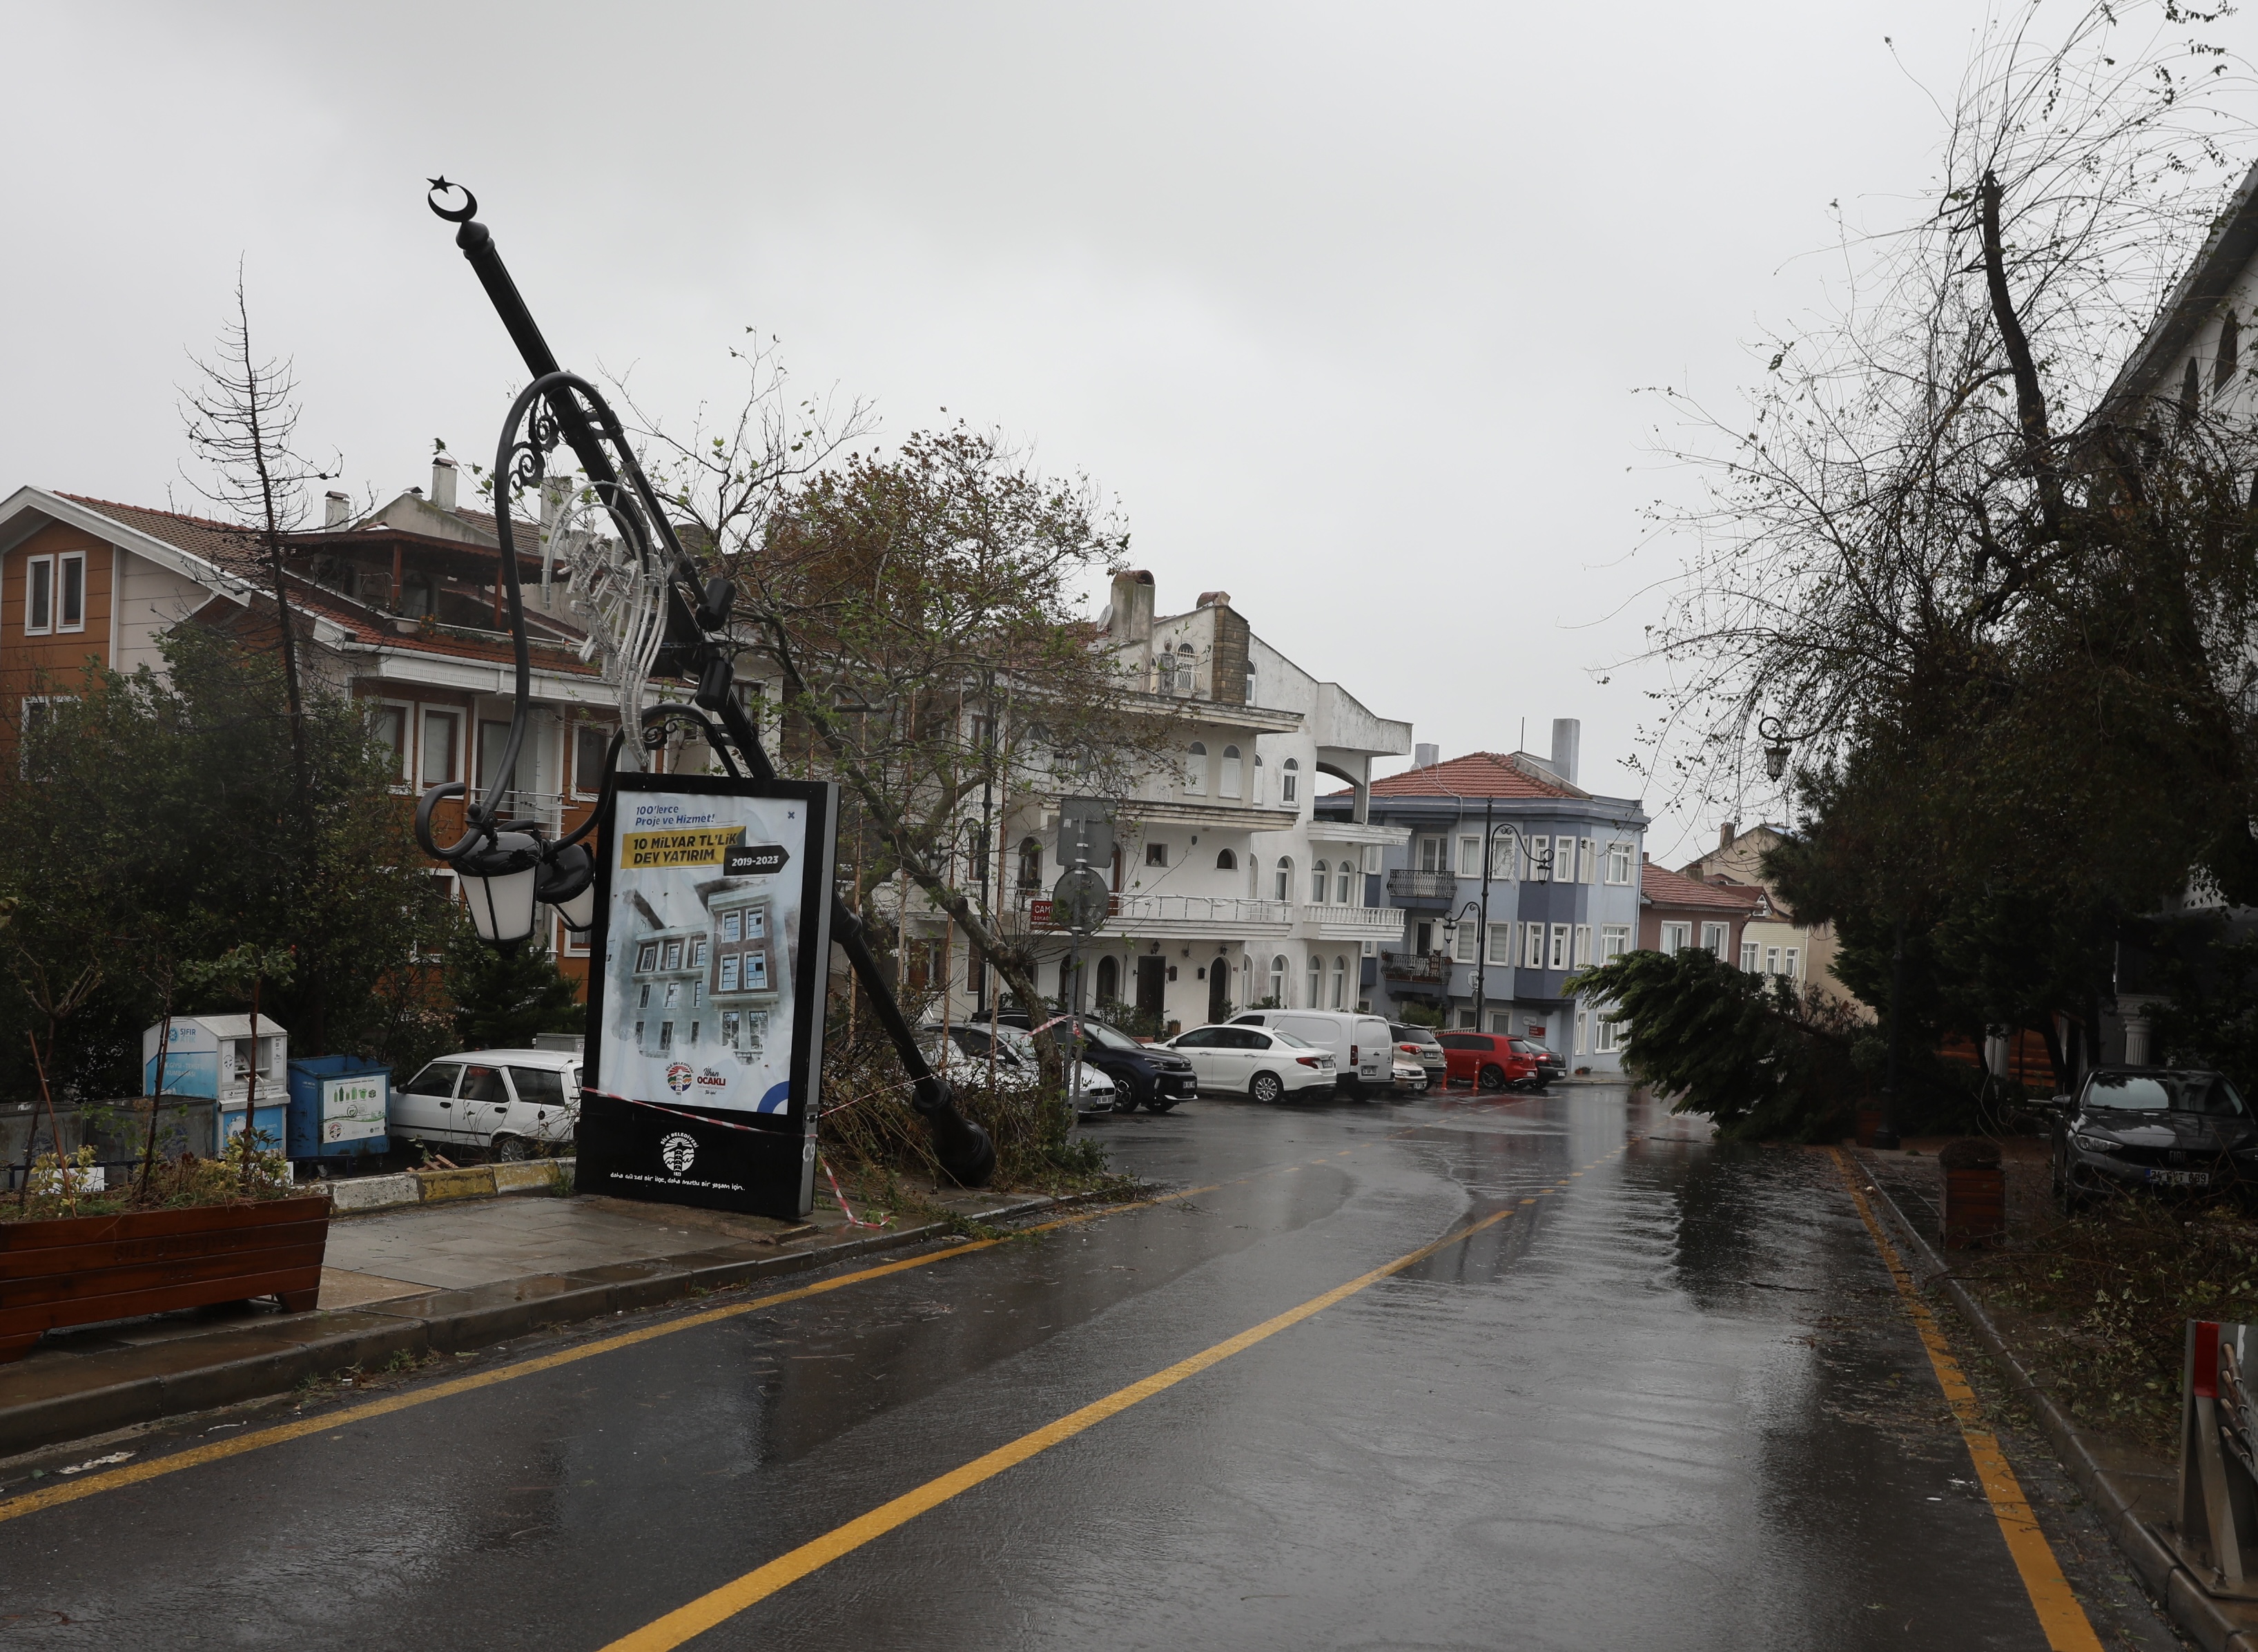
453 214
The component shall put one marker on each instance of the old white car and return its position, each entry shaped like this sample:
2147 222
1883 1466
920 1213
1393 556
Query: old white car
516 1102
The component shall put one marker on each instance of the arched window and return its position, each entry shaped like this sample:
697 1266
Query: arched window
2191 391
1185 668
1340 983
1317 982
1341 894
1319 873
1031 863
1196 768
2230 351
1278 979
1285 878
1109 982
1226 861
1288 786
1258 793
1227 781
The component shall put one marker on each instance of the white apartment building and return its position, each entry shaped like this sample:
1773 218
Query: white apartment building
1228 891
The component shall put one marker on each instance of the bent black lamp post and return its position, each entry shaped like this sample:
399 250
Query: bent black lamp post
506 867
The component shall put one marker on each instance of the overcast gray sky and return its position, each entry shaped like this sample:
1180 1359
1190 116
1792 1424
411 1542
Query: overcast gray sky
1347 306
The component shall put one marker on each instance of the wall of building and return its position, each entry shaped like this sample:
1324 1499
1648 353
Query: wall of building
53 662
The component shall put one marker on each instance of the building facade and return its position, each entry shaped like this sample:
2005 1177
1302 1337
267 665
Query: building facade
1230 890
1775 944
401 609
1559 893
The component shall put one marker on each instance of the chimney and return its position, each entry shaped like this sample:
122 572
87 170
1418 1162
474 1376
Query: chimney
1726 833
1215 600
1568 734
1425 756
336 509
1132 607
443 481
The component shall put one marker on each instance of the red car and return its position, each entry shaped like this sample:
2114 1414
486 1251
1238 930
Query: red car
1487 1060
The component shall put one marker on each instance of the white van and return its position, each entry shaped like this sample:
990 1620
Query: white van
1361 1047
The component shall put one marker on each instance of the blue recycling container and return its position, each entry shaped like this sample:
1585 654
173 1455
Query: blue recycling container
340 1105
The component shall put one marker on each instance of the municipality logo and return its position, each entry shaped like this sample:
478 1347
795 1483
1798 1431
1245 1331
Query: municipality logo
678 1077
678 1152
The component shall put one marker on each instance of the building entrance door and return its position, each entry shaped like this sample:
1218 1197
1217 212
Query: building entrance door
1219 989
1153 987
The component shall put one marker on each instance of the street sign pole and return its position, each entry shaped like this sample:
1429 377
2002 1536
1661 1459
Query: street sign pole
1081 902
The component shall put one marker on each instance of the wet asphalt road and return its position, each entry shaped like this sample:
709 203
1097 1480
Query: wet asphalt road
1670 1403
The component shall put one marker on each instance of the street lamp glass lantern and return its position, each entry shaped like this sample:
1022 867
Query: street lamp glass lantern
1776 761
579 912
497 885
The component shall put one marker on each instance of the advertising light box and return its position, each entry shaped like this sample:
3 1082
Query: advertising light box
706 1003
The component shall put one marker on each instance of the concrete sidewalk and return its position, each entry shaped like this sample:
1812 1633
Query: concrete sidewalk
429 1278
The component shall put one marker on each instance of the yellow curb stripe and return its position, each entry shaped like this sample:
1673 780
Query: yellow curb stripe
718 1606
282 1433
2060 1619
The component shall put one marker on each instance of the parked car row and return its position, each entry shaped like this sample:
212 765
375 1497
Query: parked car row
518 1102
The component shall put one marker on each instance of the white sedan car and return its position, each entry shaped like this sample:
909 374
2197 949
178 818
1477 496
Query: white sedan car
1014 1062
1260 1062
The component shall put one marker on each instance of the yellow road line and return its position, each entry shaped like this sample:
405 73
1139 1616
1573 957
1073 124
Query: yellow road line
282 1433
2060 1619
718 1606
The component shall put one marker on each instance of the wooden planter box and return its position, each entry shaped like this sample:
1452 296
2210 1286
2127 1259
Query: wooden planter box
1975 1208
78 1269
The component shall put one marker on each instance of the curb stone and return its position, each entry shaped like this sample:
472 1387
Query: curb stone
272 1358
351 1195
2218 1626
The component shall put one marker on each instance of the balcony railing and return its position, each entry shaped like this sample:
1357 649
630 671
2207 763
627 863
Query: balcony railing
1433 968
1134 914
1422 886
1372 917
1367 924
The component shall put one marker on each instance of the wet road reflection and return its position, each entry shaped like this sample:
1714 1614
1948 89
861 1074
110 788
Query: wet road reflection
1667 1401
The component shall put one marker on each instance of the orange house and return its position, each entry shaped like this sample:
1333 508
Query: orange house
401 609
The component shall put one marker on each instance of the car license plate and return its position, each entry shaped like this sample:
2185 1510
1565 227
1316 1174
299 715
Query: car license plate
2181 1178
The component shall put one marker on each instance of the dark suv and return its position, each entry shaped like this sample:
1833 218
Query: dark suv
2179 1128
1549 1063
1144 1075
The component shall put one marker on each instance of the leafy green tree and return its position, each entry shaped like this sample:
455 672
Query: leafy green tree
153 822
1741 1049
503 996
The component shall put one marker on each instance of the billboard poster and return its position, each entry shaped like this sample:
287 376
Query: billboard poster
705 1002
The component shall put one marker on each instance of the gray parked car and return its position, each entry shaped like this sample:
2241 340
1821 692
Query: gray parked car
2184 1129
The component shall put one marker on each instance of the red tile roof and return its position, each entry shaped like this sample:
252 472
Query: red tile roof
1662 886
1481 774
228 544
233 548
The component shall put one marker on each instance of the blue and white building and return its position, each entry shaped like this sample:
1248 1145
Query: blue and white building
1561 880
